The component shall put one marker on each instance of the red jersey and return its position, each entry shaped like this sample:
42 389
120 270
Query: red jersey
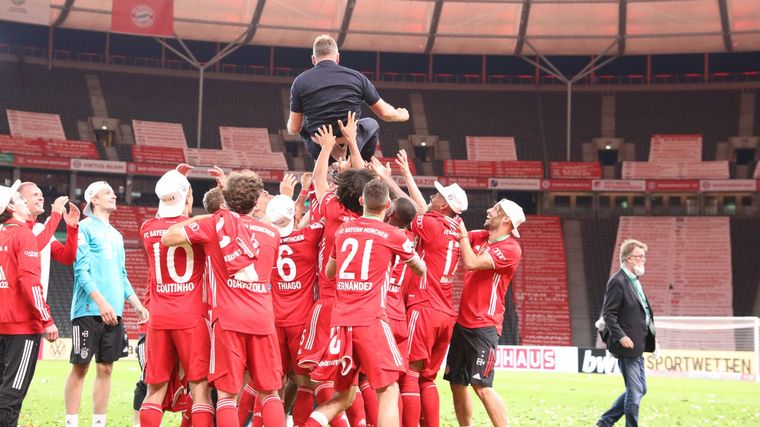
295 274
238 305
314 213
400 278
364 252
438 246
334 214
176 285
24 310
484 290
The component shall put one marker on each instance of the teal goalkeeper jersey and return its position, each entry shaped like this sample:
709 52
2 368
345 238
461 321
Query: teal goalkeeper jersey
100 265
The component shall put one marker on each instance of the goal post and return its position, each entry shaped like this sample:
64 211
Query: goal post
707 347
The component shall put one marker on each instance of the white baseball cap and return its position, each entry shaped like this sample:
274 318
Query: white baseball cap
172 190
6 194
515 214
455 197
281 211
90 192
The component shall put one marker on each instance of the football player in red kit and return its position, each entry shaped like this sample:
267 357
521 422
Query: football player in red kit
242 252
178 333
361 338
24 314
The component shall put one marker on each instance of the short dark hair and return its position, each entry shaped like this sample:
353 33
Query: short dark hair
375 195
404 210
241 191
6 215
213 200
350 185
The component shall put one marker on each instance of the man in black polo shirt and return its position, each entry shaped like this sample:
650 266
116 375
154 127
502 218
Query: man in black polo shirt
327 93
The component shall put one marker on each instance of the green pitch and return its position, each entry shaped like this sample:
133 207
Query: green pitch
533 399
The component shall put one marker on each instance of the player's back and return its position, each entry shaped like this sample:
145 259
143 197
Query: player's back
364 253
295 275
239 305
328 92
176 284
438 246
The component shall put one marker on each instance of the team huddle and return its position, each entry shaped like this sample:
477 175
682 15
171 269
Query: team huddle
345 292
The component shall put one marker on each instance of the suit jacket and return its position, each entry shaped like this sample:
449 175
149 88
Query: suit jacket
623 316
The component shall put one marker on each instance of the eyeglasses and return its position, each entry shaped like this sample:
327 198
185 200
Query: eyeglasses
638 256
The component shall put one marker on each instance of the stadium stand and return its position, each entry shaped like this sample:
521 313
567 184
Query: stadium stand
745 251
540 284
598 237
158 98
536 120
392 133
713 114
31 87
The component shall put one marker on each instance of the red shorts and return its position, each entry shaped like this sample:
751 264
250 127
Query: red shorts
373 350
400 331
316 334
289 338
166 348
232 352
429 336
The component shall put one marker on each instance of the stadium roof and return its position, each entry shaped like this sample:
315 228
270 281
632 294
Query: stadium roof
497 27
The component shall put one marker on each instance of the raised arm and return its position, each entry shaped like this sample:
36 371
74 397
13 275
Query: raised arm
288 185
349 132
294 123
388 113
67 254
384 173
324 138
175 235
56 213
470 259
414 192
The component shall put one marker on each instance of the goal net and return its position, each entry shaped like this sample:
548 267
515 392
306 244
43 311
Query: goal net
707 347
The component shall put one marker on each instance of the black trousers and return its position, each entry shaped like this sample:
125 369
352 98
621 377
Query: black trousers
367 130
18 359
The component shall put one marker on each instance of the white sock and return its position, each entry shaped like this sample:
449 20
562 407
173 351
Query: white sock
72 420
98 420
320 418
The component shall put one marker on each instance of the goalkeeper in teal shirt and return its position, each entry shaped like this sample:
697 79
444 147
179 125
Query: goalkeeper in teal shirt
100 288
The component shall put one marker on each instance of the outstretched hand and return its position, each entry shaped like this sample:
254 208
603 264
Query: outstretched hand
218 174
59 205
403 162
349 129
383 171
183 168
306 181
325 137
72 216
288 185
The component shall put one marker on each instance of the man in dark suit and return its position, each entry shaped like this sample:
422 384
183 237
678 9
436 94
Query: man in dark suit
629 331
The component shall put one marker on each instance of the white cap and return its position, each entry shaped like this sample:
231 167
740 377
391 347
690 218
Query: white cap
6 194
515 214
172 190
90 192
281 211
455 197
